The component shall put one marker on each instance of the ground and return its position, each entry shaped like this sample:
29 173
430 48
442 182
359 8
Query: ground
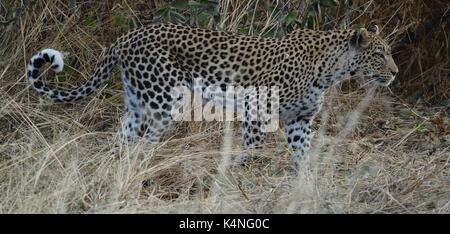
57 158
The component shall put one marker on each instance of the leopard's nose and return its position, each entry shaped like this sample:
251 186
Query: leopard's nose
394 70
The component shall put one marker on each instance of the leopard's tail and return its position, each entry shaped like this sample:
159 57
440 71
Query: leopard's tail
101 73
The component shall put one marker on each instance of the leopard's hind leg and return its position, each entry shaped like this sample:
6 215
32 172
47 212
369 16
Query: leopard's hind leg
149 98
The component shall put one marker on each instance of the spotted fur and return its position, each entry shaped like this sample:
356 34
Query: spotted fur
156 58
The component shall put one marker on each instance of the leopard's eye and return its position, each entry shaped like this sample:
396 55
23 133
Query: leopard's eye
379 54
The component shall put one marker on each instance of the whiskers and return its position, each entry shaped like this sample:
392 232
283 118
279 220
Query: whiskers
371 81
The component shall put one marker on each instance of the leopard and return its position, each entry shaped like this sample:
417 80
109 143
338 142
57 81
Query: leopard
155 58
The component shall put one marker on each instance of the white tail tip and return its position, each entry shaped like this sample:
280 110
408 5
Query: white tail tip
56 59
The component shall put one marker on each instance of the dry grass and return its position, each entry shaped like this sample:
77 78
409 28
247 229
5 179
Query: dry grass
69 158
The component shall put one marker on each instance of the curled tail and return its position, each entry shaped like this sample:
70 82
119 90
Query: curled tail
55 58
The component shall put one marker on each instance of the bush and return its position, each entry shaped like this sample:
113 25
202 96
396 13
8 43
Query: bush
418 30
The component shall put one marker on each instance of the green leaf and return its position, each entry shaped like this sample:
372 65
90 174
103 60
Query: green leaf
292 15
161 15
309 22
244 31
328 3
418 127
194 3
131 24
119 20
180 4
208 2
89 21
202 19
176 17
269 33
161 12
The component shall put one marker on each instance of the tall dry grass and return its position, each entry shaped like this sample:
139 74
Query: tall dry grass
372 153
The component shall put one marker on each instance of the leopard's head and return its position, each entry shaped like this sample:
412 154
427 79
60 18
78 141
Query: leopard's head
373 59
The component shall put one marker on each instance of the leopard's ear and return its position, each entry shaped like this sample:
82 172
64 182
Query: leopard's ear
360 38
374 29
